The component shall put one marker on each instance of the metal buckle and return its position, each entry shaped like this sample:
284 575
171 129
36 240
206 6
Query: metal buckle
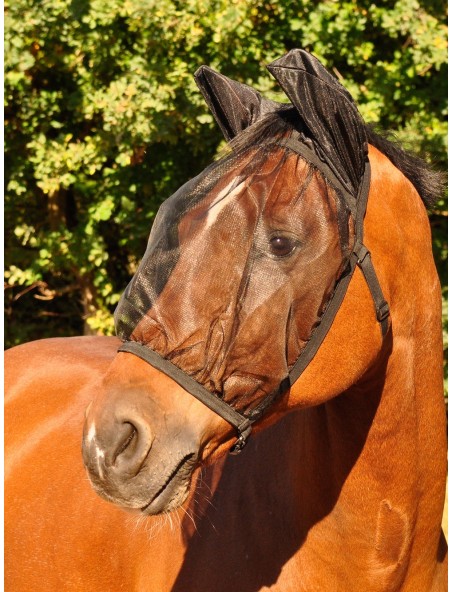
239 445
244 431
361 252
383 311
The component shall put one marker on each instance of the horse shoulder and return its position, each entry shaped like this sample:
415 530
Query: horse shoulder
48 379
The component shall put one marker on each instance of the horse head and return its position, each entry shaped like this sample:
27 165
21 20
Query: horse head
245 296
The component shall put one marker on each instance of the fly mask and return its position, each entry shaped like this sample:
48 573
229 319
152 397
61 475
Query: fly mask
248 263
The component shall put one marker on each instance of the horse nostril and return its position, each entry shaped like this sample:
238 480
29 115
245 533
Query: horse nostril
128 439
133 441
116 446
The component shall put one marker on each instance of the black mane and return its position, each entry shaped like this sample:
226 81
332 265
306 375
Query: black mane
430 184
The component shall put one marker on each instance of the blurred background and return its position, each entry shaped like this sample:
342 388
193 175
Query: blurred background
104 121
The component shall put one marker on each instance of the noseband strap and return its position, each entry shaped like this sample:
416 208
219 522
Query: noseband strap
241 422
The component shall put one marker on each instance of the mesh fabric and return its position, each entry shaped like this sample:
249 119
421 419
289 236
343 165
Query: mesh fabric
240 265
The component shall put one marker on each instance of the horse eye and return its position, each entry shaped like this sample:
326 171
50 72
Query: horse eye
281 246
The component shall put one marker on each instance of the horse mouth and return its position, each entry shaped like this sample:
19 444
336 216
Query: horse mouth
174 490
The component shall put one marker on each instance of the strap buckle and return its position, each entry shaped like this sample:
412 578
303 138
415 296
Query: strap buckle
238 446
244 430
364 262
361 252
383 311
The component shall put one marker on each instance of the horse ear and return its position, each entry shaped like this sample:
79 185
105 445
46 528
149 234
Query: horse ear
331 118
234 105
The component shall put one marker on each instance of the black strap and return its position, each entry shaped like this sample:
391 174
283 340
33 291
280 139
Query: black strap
364 262
236 419
323 327
296 144
361 257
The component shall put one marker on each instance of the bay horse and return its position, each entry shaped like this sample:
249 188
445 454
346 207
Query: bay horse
288 292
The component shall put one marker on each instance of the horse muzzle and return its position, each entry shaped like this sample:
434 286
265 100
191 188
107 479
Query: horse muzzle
136 456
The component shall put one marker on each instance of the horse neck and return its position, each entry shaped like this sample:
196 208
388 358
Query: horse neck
398 234
384 437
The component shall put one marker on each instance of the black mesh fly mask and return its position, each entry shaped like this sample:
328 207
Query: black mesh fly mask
248 263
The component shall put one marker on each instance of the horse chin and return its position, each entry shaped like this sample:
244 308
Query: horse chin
150 496
174 489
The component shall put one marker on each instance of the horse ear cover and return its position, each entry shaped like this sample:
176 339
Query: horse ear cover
234 105
332 123
329 113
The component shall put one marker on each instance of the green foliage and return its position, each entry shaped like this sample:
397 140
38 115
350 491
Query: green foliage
104 121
